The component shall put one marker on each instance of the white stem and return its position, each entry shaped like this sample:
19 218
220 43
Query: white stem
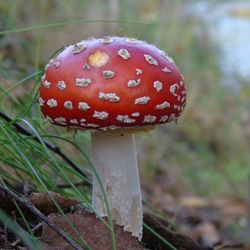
114 157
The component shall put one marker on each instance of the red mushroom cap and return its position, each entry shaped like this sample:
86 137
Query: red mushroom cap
111 83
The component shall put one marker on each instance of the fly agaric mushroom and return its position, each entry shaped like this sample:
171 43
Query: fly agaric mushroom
114 87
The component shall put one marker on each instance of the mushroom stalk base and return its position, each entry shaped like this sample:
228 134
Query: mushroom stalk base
114 157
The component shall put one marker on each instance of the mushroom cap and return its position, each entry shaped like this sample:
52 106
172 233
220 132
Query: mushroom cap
112 83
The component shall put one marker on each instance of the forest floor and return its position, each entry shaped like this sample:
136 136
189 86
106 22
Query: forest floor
185 222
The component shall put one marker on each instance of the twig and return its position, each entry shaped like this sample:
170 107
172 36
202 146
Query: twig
20 129
34 229
229 246
178 241
25 202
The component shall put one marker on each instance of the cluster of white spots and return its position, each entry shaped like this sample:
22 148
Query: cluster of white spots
166 70
102 115
170 59
113 127
164 118
92 125
61 120
158 86
149 118
41 101
49 119
83 82
103 128
112 97
134 83
61 85
163 105
142 100
163 53
138 71
107 40
124 54
178 107
124 119
83 106
172 117
73 126
68 105
56 64
46 84
48 64
43 77
107 74
82 122
132 40
173 88
135 114
79 47
52 103
150 60
73 121
86 66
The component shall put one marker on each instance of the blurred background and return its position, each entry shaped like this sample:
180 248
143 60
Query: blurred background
195 172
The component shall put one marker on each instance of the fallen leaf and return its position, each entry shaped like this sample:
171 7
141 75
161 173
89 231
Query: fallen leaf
193 202
92 230
207 234
45 204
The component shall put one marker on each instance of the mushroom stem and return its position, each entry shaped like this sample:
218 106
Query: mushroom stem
114 157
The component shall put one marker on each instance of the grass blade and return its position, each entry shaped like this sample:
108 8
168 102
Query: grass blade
63 23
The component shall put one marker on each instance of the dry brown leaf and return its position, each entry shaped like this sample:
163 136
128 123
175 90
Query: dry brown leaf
235 207
45 204
177 240
193 202
207 233
91 229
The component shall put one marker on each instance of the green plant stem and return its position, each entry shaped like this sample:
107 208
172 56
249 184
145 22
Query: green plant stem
62 23
20 129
